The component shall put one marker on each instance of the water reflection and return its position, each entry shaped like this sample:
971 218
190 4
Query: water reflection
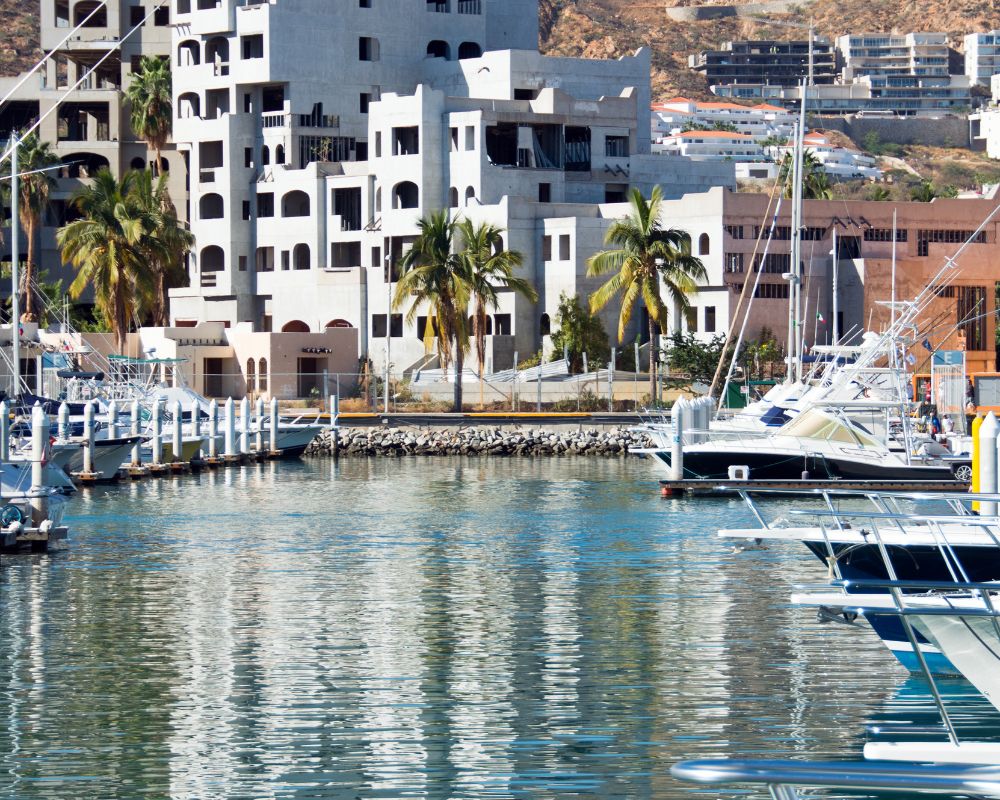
394 628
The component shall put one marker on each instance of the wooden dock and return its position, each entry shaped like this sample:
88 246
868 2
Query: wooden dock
723 488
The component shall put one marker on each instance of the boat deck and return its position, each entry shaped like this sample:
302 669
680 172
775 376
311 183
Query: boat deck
716 488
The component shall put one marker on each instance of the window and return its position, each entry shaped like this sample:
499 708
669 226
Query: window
734 262
453 132
367 48
470 195
546 248
376 257
295 204
438 49
345 254
251 375
704 245
135 15
405 141
161 17
286 260
545 193
364 3
265 155
279 154
246 209
248 157
709 319
265 259
691 319
406 195
735 231
211 207
564 247
470 137
884 234
774 263
210 154
501 325
242 260
545 325
378 144
364 100
262 364
615 193
395 326
469 50
252 46
453 197
247 102
616 146
265 204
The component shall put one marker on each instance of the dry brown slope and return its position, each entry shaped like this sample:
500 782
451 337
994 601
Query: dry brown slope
19 37
611 28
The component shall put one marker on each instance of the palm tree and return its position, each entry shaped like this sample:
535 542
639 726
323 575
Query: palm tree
815 182
149 94
645 255
107 247
880 193
489 268
435 277
924 192
169 244
35 161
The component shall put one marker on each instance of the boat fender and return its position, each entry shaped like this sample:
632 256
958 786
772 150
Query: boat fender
10 515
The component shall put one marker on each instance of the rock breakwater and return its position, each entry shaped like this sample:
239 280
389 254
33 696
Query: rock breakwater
480 440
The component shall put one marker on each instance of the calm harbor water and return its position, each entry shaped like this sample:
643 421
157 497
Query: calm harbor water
436 628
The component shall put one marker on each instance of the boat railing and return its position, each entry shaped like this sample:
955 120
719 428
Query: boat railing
785 777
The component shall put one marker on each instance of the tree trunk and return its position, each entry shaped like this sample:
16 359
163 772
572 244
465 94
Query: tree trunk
159 163
27 279
652 362
459 359
161 314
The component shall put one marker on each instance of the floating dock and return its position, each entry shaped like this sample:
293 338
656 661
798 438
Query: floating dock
717 488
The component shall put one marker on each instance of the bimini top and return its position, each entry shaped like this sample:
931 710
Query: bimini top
816 424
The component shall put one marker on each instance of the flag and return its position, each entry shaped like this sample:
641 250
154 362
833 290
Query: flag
819 318
911 359
927 343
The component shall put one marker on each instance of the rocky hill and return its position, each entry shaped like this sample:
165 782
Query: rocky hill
19 43
611 28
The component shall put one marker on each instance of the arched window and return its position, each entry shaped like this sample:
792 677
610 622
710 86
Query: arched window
545 325
251 375
295 204
300 257
262 375
189 105
470 195
498 246
265 155
85 165
213 259
138 164
338 323
188 53
488 322
406 195
703 245
211 207
217 50
279 154
469 50
295 326
438 49
453 197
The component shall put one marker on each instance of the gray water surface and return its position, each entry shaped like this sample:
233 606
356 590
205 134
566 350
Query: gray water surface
436 628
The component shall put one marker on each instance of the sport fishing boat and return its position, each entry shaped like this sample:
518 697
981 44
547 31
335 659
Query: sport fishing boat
820 443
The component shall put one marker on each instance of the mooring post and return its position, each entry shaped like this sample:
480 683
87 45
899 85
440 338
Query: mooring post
39 441
178 438
136 413
335 423
230 428
88 433
259 440
213 429
4 431
678 416
245 429
157 433
112 419
274 424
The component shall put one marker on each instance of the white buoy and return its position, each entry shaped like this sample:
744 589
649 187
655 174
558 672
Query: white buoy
988 432
213 429
230 427
157 433
678 416
39 442
274 424
63 421
4 431
112 419
245 423
178 437
88 435
136 413
259 440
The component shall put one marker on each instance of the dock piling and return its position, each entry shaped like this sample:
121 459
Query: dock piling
274 424
4 431
230 451
988 462
259 440
136 414
245 426
88 434
178 431
63 421
213 430
157 433
112 419
39 446
678 415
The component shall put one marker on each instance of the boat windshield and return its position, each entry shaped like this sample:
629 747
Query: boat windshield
815 424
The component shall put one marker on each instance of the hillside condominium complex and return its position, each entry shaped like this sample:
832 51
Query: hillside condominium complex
317 134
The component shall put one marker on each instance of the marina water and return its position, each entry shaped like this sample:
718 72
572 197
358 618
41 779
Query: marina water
437 628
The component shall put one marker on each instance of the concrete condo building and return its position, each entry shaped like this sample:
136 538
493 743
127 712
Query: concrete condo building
770 61
982 56
319 133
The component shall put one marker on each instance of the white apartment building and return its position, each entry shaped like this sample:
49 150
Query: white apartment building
986 123
711 146
838 162
90 128
759 121
982 56
318 135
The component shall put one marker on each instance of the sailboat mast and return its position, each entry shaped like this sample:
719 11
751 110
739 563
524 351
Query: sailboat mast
793 272
834 323
797 228
892 296
15 257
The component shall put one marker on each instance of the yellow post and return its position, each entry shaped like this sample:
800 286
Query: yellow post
976 424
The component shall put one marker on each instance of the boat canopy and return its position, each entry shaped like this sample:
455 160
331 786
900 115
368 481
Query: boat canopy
816 424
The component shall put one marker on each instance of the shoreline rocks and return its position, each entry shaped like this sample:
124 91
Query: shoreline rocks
479 440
